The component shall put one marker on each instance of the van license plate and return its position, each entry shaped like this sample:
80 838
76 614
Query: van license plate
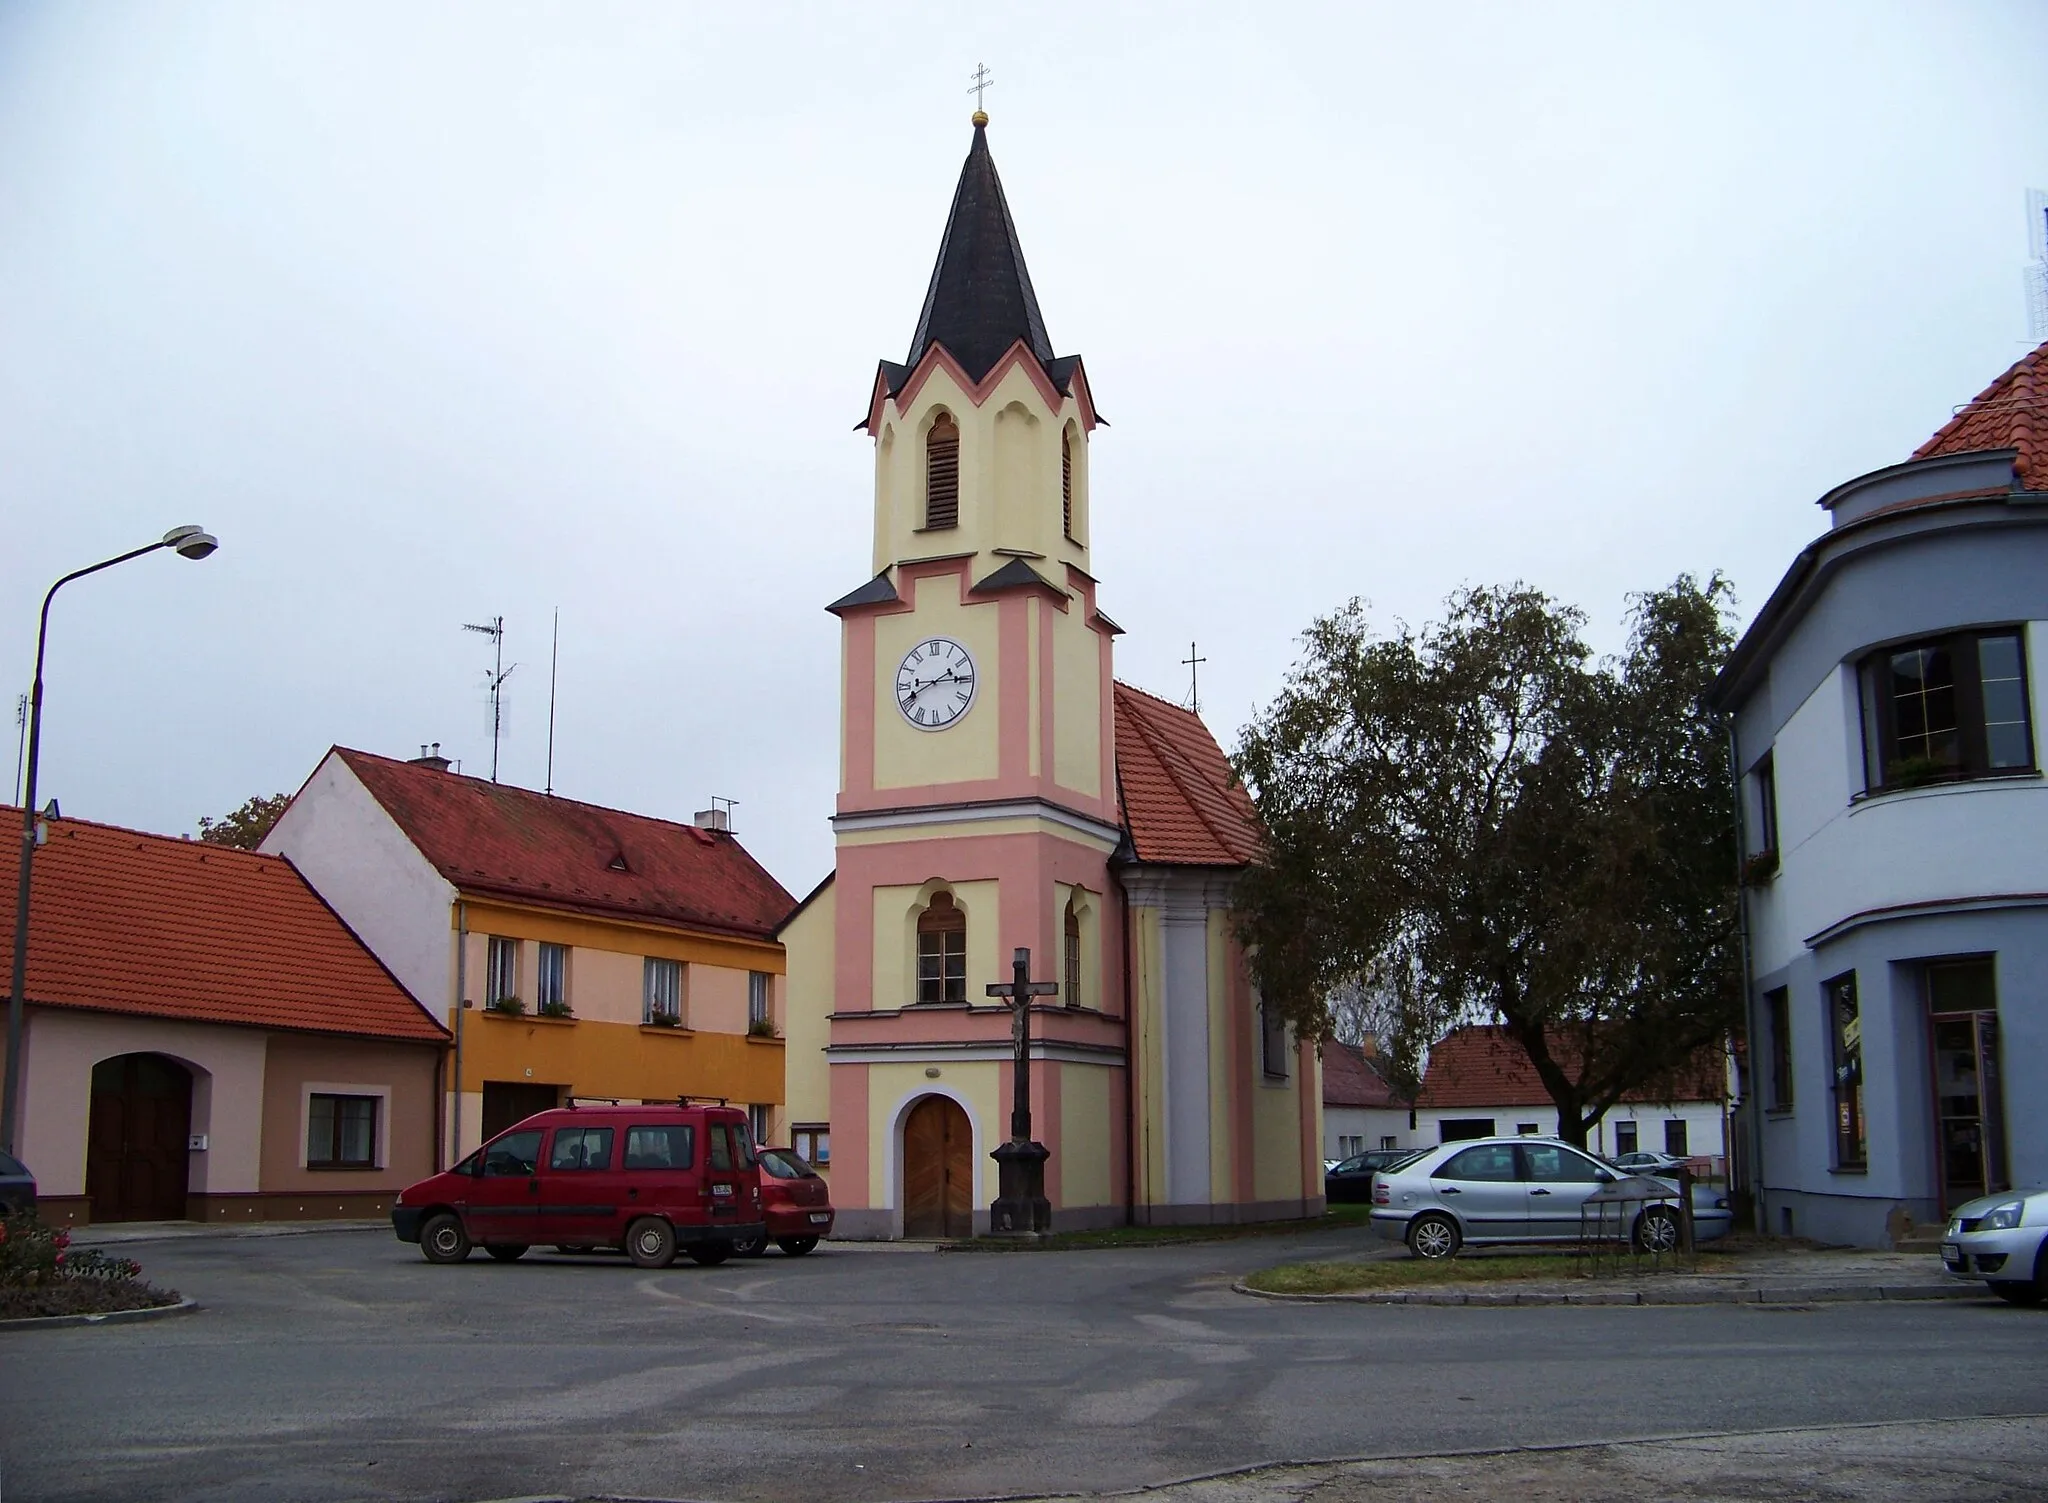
819 1218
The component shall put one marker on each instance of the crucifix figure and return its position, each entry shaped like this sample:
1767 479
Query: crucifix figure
983 80
1021 1206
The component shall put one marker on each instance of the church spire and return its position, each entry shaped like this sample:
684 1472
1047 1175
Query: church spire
980 300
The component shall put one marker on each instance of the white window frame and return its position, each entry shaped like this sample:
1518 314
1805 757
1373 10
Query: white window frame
501 968
654 965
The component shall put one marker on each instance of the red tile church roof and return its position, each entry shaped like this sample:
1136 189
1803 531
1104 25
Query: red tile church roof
151 926
491 839
1182 805
2010 413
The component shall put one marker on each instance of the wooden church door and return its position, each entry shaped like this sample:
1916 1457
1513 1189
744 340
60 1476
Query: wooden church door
938 1170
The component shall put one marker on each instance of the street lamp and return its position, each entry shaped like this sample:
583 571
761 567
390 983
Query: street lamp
186 542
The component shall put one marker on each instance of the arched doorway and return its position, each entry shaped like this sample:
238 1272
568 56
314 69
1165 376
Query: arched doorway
938 1170
135 1158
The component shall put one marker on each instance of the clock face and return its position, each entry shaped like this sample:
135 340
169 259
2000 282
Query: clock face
935 683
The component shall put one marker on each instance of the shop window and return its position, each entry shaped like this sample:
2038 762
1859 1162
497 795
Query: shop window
1845 1036
1778 1007
813 1142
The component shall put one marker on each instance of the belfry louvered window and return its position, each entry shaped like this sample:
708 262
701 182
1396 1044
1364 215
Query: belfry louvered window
942 473
1067 484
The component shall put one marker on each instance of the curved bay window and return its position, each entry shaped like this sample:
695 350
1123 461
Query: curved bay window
1946 708
942 473
942 951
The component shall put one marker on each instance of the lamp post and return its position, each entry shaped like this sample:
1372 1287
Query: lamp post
186 542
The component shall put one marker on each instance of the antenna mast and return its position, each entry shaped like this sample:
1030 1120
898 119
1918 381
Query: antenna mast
2037 265
499 673
554 657
1193 664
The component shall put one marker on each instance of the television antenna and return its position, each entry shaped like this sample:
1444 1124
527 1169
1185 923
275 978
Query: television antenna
2037 265
495 681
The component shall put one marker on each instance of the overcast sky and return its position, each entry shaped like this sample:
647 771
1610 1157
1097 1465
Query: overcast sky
440 312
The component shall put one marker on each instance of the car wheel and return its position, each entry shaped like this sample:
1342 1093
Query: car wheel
2019 1292
796 1247
710 1254
443 1240
1657 1231
651 1243
1434 1236
506 1252
750 1247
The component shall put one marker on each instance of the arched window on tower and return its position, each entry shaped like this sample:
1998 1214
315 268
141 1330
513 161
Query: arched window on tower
942 473
1071 977
942 951
1067 497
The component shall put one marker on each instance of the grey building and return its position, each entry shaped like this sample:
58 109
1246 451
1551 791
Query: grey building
1896 820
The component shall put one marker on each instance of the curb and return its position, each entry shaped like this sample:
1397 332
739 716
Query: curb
111 1317
1781 1294
201 1231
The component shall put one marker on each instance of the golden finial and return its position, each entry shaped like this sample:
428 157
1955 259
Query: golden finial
982 81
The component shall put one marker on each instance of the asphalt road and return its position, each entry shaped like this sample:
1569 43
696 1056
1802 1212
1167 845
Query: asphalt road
340 1365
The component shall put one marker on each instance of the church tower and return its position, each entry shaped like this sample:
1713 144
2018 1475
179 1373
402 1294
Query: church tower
980 811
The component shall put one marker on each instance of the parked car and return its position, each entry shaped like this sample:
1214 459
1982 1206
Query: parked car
1493 1190
647 1179
17 1186
1351 1179
796 1205
2003 1240
1646 1162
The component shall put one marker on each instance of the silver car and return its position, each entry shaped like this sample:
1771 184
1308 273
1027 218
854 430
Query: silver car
2003 1240
1520 1189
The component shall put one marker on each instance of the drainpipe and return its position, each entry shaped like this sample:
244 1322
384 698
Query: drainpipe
461 990
1130 1057
1752 1097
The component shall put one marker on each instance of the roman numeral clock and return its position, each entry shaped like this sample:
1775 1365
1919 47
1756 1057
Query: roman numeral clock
935 683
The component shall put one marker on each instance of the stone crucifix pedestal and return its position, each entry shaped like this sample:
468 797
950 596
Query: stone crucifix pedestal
1021 1208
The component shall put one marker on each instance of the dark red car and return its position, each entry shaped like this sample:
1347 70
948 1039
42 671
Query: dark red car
796 1204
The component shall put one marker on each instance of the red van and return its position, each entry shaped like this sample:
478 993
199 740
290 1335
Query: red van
648 1179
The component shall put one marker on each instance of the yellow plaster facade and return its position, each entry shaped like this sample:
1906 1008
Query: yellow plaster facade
895 917
905 756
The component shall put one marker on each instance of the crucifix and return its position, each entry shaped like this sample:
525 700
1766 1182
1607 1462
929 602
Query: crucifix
982 83
1021 1206
1193 665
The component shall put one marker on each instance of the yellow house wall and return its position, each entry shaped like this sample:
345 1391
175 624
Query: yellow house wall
1009 474
1147 966
976 1085
1077 702
1085 1136
620 1060
895 919
906 757
808 940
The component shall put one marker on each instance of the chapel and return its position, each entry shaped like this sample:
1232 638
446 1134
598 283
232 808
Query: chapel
1001 791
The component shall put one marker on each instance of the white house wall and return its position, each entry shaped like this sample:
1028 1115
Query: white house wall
356 857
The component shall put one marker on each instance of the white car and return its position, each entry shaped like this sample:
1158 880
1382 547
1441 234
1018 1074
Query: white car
2003 1240
1522 1189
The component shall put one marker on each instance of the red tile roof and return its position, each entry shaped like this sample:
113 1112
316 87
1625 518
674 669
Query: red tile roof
1349 1079
1482 1066
490 839
2010 413
1182 805
124 922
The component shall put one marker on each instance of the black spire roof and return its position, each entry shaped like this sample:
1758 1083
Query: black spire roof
980 300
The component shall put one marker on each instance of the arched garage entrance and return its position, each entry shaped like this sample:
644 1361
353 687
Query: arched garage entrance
135 1158
938 1170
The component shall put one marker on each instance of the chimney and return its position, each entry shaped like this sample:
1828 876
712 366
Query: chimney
712 819
432 758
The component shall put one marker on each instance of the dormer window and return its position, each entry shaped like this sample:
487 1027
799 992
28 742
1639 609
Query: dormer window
942 473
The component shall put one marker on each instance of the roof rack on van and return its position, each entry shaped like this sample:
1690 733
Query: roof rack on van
686 1100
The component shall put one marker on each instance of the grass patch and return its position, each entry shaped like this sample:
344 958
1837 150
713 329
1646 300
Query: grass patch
1413 1273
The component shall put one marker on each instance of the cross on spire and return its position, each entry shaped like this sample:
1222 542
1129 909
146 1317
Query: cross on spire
983 81
1193 664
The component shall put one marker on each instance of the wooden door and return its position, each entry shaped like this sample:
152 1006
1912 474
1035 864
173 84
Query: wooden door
938 1170
507 1103
136 1156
